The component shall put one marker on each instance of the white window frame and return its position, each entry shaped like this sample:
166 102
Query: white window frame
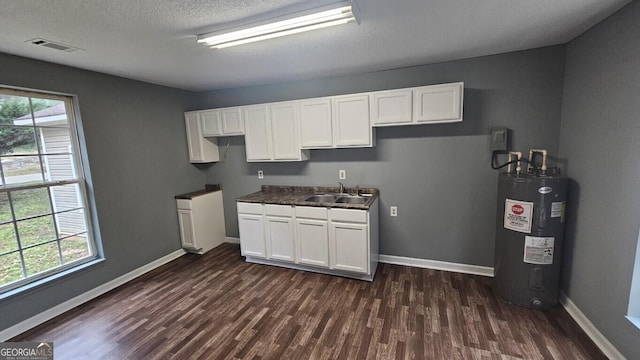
80 175
633 310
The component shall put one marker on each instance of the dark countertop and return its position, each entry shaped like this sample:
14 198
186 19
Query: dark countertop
208 188
295 195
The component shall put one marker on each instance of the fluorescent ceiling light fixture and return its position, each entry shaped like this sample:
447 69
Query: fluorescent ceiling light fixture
335 14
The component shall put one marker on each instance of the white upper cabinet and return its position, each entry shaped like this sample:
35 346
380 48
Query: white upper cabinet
222 122
271 133
210 122
201 149
335 122
438 103
393 107
351 124
257 133
231 119
315 123
284 131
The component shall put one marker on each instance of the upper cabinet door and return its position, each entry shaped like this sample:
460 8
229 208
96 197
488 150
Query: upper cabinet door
210 122
231 120
192 123
351 125
391 107
315 123
438 103
201 149
284 131
257 134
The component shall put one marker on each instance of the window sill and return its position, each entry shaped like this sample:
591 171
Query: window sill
49 279
635 320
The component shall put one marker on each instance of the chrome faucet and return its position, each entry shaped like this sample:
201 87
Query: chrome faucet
341 188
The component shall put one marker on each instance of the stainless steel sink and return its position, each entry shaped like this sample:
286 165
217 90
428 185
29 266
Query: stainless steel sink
326 198
340 198
352 199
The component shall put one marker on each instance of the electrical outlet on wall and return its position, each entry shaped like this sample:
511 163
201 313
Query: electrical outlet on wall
393 211
260 174
342 174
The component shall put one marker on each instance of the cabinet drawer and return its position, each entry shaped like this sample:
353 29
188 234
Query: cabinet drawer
355 216
310 212
183 204
250 208
278 210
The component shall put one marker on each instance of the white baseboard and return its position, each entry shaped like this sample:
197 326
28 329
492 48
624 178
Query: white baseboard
233 240
49 314
592 332
437 265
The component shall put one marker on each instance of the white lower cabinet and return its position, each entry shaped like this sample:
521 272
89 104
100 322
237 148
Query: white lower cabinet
280 238
279 233
349 247
201 221
312 242
329 240
251 227
187 231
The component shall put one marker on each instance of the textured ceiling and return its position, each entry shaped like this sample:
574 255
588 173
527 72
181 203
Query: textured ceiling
154 40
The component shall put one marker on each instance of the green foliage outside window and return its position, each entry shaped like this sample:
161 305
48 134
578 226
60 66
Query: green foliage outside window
10 109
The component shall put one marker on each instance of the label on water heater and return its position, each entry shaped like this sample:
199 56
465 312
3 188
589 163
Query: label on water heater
538 250
517 215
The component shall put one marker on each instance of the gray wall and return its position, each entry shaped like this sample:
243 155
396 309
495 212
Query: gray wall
600 137
136 145
439 176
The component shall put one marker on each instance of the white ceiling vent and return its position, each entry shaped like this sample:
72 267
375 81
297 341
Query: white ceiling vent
53 45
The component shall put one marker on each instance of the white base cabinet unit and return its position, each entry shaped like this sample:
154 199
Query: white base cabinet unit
201 149
279 232
201 220
251 227
349 240
335 241
312 235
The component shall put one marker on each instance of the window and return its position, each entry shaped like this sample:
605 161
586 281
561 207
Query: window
44 214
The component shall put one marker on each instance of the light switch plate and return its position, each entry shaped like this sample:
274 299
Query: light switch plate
260 174
342 174
499 138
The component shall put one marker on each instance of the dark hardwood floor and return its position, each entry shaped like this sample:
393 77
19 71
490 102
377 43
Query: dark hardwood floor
216 306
